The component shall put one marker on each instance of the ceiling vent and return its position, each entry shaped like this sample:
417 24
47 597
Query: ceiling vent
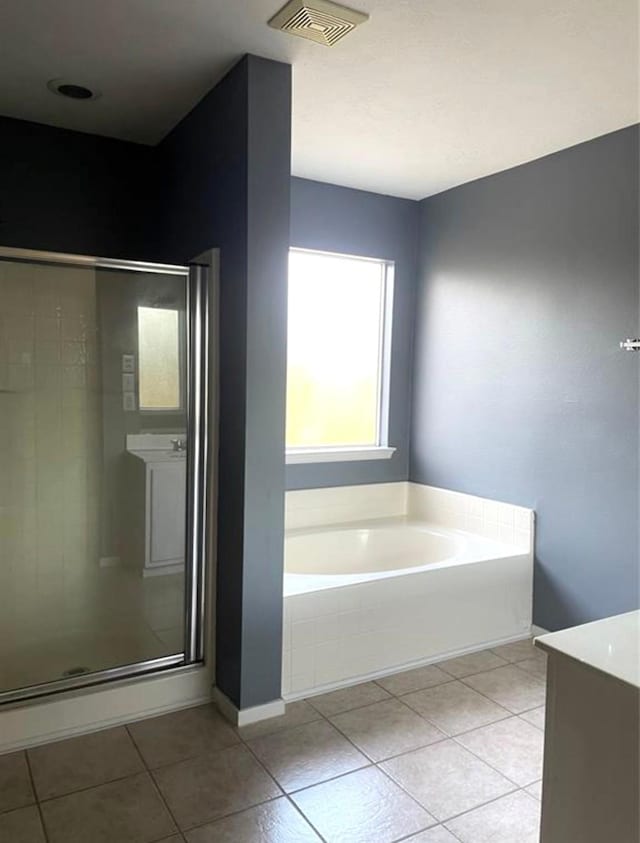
318 20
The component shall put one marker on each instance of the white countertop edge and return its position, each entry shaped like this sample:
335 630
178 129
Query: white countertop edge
610 645
157 455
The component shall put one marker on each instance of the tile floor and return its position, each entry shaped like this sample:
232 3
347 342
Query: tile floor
434 755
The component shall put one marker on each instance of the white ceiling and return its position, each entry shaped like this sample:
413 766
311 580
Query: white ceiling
426 95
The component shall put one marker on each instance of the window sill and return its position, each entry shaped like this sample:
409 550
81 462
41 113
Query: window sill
339 455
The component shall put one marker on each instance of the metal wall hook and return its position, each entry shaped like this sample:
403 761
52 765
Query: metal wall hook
630 345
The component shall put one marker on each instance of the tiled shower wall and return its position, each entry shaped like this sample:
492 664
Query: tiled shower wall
49 437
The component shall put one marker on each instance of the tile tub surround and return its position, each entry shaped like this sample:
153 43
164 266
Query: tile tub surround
359 765
341 504
494 520
336 636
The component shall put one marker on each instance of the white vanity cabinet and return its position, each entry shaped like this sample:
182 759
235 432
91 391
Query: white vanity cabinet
159 476
165 499
591 782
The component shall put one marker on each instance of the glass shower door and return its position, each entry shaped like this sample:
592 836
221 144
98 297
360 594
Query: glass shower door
100 571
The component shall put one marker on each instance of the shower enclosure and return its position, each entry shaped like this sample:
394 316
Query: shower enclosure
103 467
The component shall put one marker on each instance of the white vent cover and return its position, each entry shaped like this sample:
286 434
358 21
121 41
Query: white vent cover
318 20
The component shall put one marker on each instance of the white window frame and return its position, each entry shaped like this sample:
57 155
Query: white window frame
381 450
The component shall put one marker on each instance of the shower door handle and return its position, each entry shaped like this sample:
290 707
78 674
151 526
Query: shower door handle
630 345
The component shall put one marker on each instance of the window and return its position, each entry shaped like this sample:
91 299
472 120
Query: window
338 336
159 359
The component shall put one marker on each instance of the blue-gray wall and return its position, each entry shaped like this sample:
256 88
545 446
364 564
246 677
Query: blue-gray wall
339 219
227 167
528 280
66 191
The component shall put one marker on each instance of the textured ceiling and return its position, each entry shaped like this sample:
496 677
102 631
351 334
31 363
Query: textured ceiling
426 95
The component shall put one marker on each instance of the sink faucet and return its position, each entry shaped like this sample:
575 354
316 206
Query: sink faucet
179 444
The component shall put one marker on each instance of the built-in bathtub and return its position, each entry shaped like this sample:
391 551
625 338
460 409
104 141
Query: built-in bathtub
416 580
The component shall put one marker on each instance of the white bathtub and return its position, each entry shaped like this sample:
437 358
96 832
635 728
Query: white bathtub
373 597
340 555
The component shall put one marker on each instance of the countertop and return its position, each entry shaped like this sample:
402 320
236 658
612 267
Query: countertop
158 455
611 645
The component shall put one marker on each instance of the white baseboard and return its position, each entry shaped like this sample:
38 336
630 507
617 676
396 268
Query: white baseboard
381 674
92 709
538 630
245 716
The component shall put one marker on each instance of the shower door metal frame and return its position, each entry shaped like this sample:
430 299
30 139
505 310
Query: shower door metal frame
197 474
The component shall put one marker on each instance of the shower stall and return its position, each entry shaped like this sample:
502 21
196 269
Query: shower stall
103 470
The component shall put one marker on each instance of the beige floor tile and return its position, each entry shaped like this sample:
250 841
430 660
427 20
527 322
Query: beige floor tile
536 666
181 735
22 826
208 787
472 663
307 755
517 651
15 782
362 807
126 811
510 687
535 790
274 822
414 680
386 728
438 834
345 699
513 819
446 778
536 717
83 762
455 708
513 747
297 714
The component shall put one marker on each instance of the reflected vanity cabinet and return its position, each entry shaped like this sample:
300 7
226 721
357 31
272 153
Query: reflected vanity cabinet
157 478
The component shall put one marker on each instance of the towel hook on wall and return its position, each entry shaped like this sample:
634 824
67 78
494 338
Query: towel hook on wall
630 345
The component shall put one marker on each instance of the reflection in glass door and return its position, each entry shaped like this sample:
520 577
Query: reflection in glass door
102 402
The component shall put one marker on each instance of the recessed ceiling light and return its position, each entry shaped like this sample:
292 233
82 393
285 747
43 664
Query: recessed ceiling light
71 90
318 20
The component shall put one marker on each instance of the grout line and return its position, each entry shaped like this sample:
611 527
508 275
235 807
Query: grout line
261 764
482 694
455 737
484 761
376 764
35 795
228 815
355 707
482 805
324 781
415 834
446 681
240 742
489 802
135 745
155 784
306 819
93 786
507 715
443 737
